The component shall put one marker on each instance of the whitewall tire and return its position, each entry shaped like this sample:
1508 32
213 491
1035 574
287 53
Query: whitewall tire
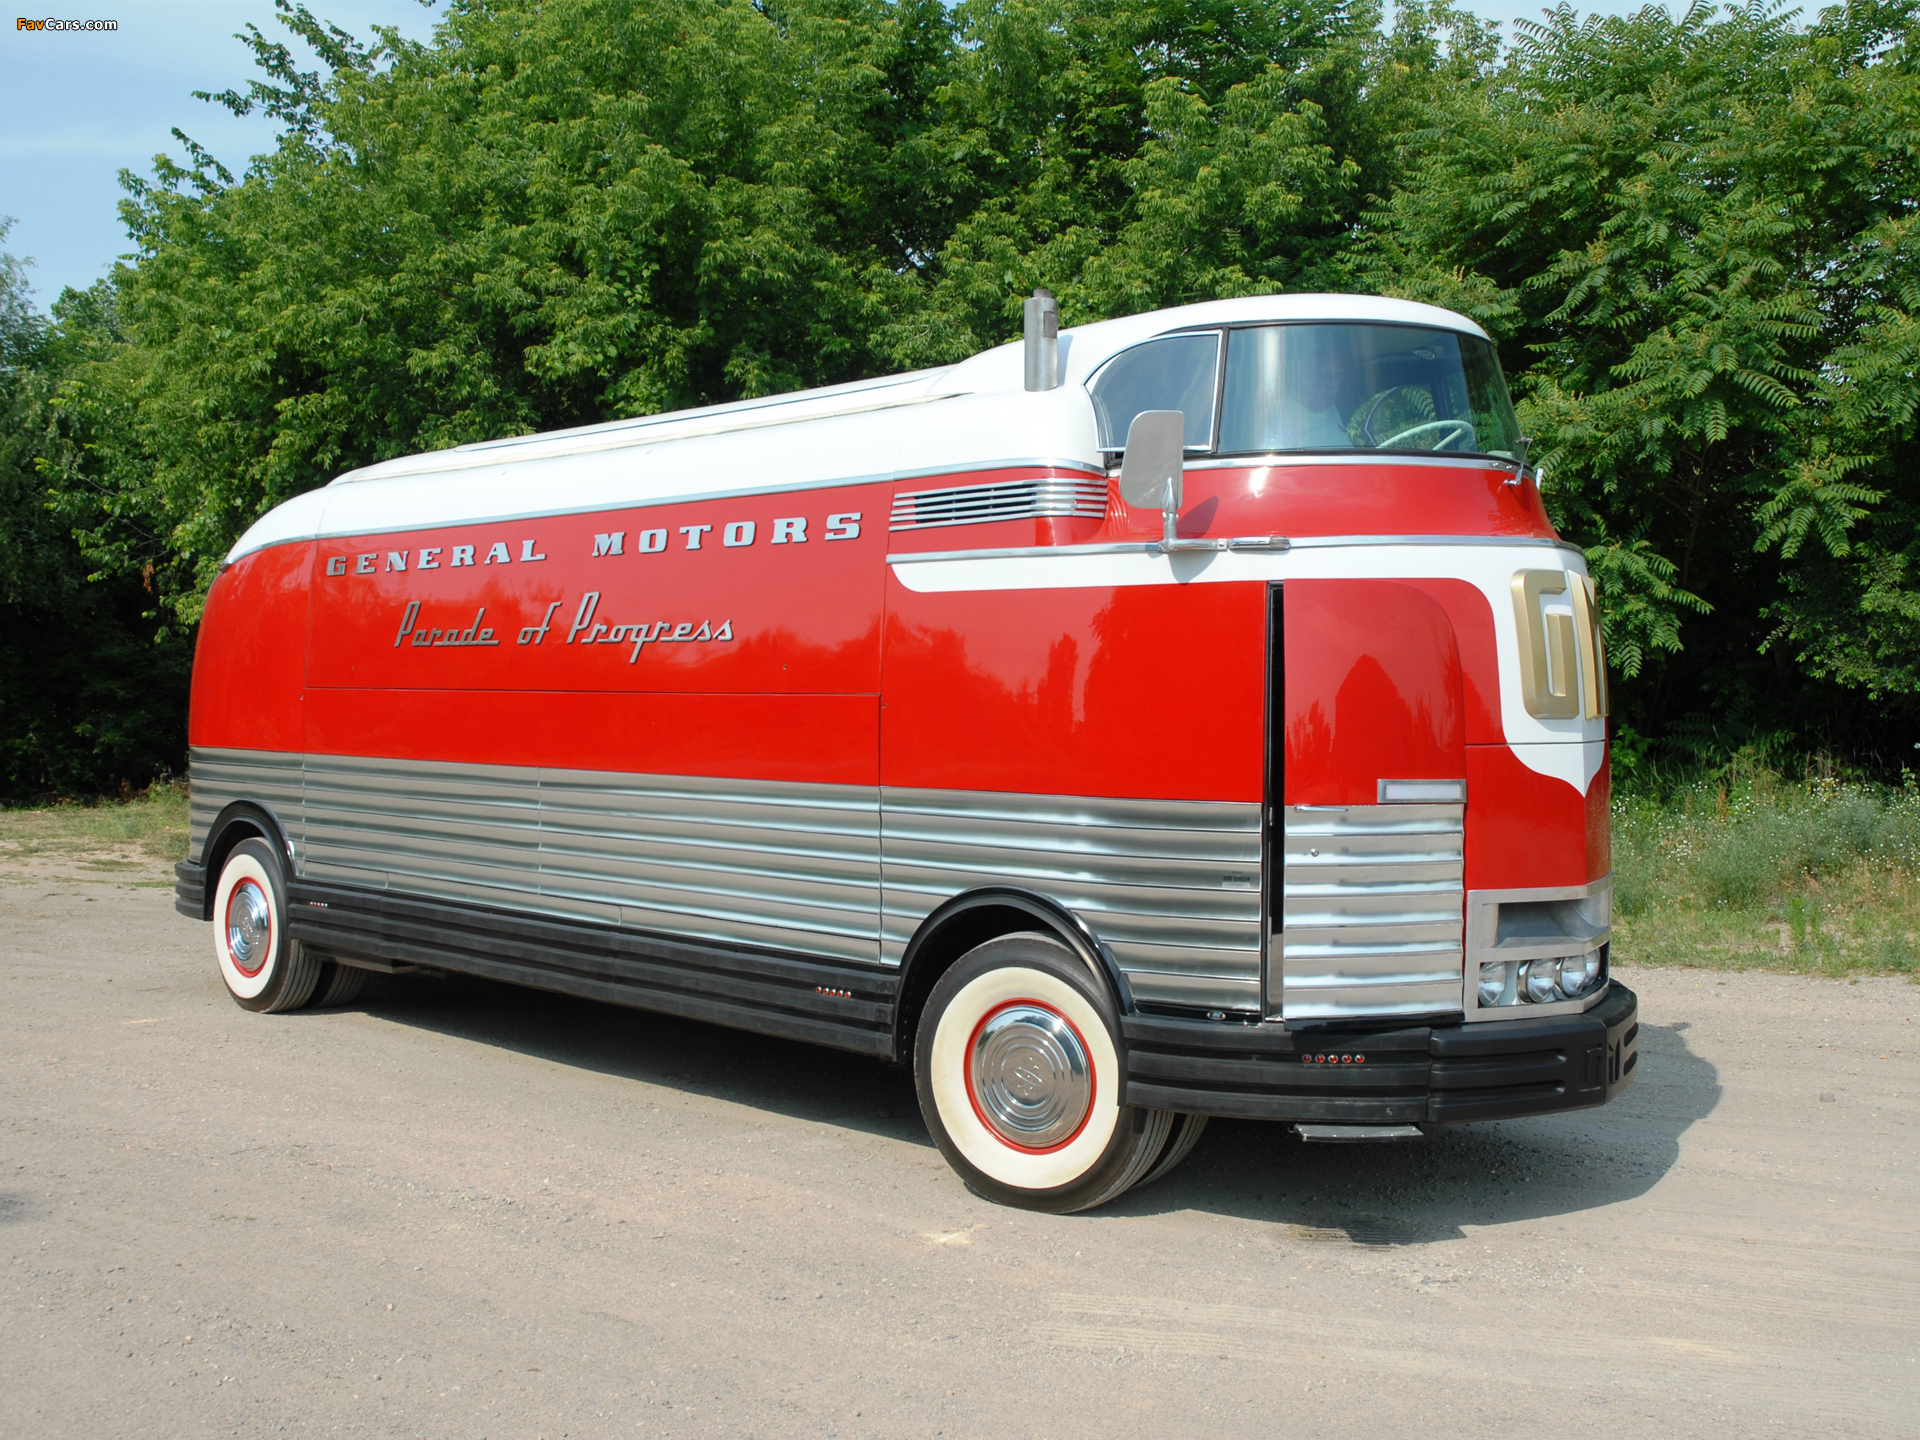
264 969
1018 1062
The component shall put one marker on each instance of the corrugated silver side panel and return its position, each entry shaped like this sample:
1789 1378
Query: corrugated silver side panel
216 778
461 832
1373 910
1083 495
1173 887
756 862
759 862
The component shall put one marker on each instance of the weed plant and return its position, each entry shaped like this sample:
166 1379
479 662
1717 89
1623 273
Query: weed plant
103 834
1744 869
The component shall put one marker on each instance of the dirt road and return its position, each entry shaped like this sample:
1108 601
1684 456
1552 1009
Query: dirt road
457 1209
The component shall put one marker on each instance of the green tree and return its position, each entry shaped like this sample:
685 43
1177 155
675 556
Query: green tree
93 683
1692 236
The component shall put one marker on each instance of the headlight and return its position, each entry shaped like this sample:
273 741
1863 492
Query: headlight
1541 978
1494 978
1578 972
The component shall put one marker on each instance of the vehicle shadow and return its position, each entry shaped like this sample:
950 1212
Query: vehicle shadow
788 1077
1492 1173
1400 1193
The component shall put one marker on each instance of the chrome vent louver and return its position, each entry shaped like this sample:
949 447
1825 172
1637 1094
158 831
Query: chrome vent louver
1373 911
1030 499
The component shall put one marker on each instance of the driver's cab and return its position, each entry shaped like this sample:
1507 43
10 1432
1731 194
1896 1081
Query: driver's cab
1313 387
1356 424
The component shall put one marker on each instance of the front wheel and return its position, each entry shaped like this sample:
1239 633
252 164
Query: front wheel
265 968
1017 1062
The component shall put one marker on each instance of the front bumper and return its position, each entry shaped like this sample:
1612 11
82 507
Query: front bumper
1417 1075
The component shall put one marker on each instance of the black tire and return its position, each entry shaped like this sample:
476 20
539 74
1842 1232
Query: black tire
338 985
1049 1071
1186 1133
265 970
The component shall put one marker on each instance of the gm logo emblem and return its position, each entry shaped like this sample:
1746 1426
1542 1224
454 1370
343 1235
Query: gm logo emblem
1563 667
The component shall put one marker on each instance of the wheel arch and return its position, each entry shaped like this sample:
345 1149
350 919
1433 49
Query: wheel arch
240 820
971 919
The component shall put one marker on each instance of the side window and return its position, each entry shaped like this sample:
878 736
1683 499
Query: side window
1175 372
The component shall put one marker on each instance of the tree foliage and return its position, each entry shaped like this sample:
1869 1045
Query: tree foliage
92 678
1692 235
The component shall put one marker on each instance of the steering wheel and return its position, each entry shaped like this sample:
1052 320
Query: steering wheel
1456 430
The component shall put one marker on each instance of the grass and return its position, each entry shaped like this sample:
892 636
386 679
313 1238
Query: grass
154 823
1816 877
1755 872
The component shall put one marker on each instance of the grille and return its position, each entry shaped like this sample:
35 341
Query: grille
1081 495
1373 908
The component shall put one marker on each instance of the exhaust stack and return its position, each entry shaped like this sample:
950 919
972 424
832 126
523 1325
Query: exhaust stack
1043 341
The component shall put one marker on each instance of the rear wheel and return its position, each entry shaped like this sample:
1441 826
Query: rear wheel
1017 1061
263 967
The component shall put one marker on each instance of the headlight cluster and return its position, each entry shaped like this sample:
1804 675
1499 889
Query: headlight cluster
1540 982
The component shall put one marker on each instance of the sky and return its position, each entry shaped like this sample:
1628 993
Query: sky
76 108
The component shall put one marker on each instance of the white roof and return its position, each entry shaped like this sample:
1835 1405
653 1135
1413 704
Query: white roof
963 416
1084 349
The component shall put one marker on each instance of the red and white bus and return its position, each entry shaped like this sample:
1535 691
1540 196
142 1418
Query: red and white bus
1185 715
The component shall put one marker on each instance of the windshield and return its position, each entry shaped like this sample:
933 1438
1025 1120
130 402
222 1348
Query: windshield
1364 387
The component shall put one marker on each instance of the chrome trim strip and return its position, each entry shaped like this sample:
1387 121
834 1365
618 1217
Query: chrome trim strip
1371 910
1284 459
1152 547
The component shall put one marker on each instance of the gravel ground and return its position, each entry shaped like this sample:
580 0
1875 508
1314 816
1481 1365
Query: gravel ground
457 1209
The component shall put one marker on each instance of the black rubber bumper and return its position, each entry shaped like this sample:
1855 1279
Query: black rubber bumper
190 889
1494 1070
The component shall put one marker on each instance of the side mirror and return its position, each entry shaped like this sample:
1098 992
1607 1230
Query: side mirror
1156 451
1150 470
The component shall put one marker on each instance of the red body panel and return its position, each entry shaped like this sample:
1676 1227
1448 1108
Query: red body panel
802 610
790 655
1526 829
824 739
251 656
1373 691
1372 499
1156 692
745 645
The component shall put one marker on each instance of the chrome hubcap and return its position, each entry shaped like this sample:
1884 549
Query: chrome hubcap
249 928
1030 1076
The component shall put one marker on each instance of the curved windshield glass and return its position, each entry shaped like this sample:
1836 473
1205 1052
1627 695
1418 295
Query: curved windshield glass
1363 387
1175 372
